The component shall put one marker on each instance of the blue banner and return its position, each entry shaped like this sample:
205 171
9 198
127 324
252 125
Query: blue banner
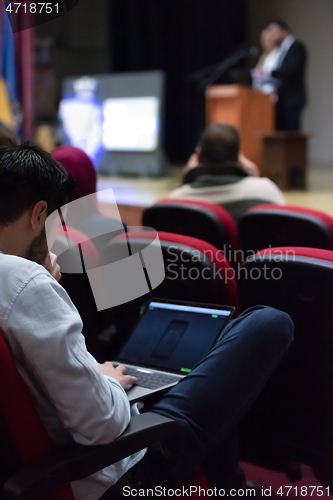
7 59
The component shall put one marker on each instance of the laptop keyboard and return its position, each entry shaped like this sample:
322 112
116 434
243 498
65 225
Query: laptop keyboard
152 380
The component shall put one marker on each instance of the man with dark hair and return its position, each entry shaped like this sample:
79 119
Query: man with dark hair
29 174
281 24
289 72
219 143
224 175
79 399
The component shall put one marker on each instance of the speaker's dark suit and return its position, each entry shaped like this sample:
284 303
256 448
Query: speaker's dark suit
291 93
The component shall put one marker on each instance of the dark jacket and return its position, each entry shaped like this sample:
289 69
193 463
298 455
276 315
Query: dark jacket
291 74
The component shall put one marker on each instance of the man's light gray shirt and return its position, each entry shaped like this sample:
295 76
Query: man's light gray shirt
75 401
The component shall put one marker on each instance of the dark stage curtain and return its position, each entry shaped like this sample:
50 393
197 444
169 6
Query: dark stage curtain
178 36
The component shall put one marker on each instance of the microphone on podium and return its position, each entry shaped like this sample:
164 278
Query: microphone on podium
208 75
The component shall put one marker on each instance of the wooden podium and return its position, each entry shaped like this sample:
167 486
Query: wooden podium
249 110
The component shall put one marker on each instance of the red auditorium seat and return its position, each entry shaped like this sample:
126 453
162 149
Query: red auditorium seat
26 439
277 225
292 418
31 467
199 219
195 271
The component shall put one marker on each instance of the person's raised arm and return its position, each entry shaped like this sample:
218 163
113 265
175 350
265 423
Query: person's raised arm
248 165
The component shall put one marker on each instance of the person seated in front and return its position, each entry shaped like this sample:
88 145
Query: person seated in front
225 176
81 400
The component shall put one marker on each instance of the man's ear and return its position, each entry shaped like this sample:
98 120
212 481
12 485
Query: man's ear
39 214
197 150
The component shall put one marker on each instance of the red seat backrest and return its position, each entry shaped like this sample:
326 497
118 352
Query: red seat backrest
212 253
22 420
221 213
326 218
199 219
194 271
313 253
267 226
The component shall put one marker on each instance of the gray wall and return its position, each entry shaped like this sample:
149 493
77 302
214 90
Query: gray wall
311 22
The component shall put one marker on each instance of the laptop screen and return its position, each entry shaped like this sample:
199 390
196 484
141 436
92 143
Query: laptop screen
174 337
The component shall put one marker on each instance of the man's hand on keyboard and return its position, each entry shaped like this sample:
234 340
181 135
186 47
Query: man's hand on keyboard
118 373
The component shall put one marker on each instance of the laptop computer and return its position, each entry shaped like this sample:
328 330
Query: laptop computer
168 341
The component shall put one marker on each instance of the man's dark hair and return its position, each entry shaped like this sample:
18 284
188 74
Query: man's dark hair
28 175
219 143
282 24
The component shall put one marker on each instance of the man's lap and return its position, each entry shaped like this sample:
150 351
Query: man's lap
209 403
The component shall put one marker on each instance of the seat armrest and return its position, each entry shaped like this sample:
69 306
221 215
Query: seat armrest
73 461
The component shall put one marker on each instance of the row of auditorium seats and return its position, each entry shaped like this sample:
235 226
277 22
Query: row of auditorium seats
287 264
260 227
292 417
